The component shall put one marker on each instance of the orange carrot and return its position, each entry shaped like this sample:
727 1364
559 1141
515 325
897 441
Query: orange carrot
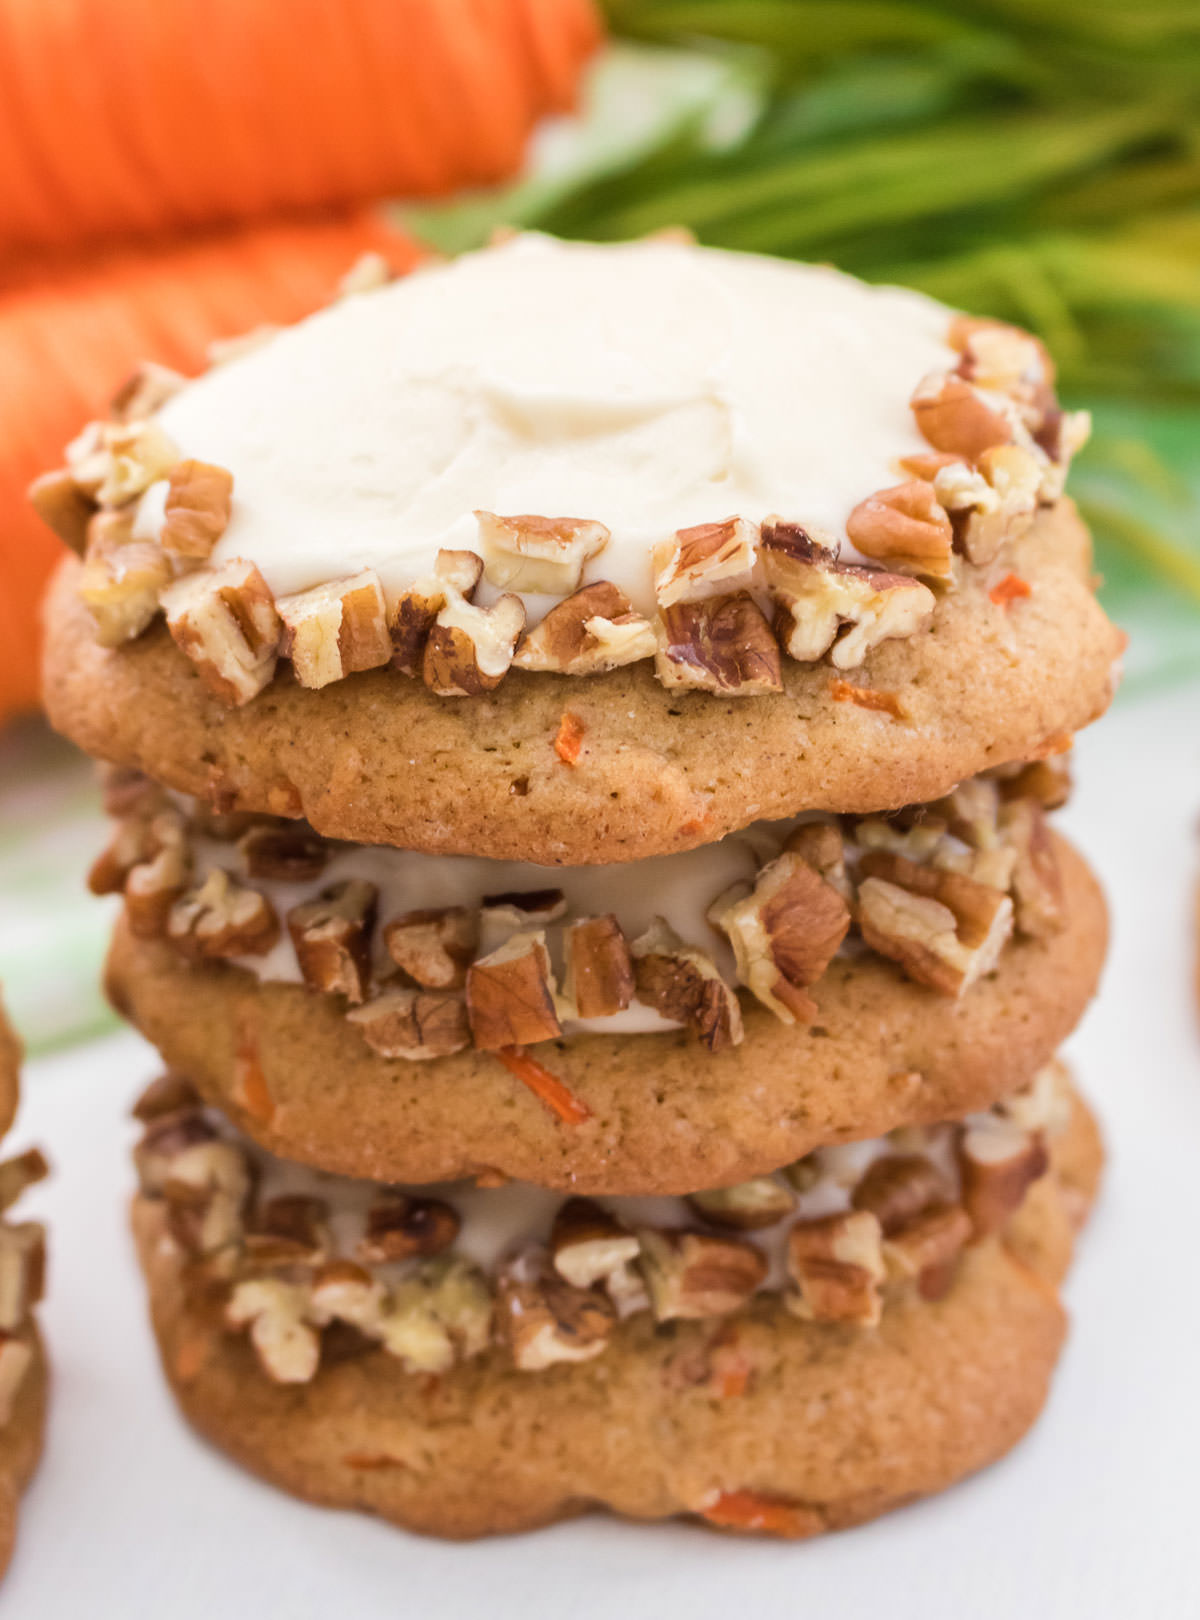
546 1087
1010 589
884 702
133 117
569 740
755 1510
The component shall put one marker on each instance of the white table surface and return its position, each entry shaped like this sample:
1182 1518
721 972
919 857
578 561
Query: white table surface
1093 1516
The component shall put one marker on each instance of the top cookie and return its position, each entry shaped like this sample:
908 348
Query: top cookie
574 553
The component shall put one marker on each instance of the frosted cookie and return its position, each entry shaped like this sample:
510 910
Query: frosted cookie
677 1022
749 539
463 1362
23 1372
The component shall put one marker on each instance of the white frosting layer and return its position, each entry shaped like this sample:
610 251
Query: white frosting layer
501 1222
679 888
651 385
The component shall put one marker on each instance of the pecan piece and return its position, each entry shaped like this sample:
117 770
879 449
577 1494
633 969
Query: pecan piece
1036 880
16 1174
826 606
160 879
684 985
764 1201
710 559
120 587
589 1247
721 644
413 1024
145 391
900 1186
469 650
691 1275
283 853
335 630
785 932
435 947
544 1320
544 556
906 528
954 416
403 1227
998 1162
332 938
944 929
288 1349
438 1315
63 507
510 995
290 1229
456 574
597 967
593 630
837 1265
224 619
199 499
222 918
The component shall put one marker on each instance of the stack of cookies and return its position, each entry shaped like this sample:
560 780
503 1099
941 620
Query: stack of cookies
23 1373
583 722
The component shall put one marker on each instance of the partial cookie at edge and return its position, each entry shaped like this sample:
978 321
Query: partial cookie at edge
378 759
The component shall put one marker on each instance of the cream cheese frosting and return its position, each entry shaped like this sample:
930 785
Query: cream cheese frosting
648 385
678 888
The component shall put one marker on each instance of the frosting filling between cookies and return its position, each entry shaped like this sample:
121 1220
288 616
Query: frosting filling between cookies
437 1274
647 386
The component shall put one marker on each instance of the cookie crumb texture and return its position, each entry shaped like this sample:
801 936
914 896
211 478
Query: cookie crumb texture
665 1116
377 759
831 1426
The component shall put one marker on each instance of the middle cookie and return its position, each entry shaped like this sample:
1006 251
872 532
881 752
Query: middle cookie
686 1021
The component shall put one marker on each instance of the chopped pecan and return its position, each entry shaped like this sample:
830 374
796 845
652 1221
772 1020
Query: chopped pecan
944 929
442 1312
1037 889
16 1358
345 1292
288 1349
199 500
837 1265
538 554
820 845
691 1275
906 528
283 853
784 933
593 630
722 644
597 967
222 918
900 1186
954 416
63 507
224 619
335 630
414 1024
991 503
160 879
145 391
510 994
130 456
503 915
1004 359
22 1271
401 1226
1048 781
16 1174
588 1246
120 587
684 985
710 559
128 792
826 606
1044 1104
456 574
926 1246
999 1162
469 649
545 1320
206 1184
289 1229
764 1201
434 947
332 938
167 1136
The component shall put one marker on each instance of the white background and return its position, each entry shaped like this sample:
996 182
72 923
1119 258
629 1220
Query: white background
1093 1516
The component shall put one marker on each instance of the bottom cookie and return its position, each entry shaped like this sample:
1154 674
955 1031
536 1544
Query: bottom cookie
755 1421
